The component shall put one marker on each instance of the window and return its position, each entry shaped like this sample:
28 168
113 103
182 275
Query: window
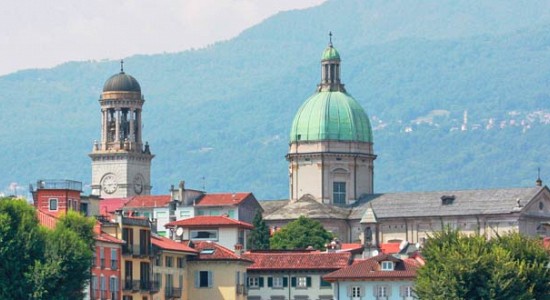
355 291
161 214
387 266
203 279
102 257
157 277
241 237
382 291
256 282
301 282
231 213
53 204
277 282
103 283
180 262
158 261
114 259
325 284
184 214
113 284
169 281
211 235
339 192
169 261
406 291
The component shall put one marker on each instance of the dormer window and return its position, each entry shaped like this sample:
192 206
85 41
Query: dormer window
447 200
387 266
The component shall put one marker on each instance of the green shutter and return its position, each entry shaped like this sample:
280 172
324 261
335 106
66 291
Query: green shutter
210 279
261 280
293 281
308 281
269 281
197 279
285 281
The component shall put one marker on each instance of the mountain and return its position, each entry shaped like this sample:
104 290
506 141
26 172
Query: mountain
457 91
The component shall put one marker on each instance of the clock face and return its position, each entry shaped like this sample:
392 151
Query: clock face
138 184
109 184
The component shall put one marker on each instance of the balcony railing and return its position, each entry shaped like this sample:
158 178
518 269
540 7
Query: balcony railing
151 286
171 292
241 289
137 250
130 285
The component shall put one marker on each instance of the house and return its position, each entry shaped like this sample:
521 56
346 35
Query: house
217 272
55 197
170 267
280 275
382 277
223 230
106 267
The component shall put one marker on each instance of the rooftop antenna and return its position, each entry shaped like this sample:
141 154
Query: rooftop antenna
122 66
330 38
203 183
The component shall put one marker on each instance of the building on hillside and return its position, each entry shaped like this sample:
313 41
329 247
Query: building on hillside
106 267
217 272
279 275
55 197
121 162
331 171
222 230
380 277
170 267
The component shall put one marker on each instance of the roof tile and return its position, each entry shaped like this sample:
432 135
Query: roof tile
273 261
210 221
223 199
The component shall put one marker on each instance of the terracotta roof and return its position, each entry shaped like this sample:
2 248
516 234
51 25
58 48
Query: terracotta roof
107 238
148 201
351 247
210 221
369 270
212 251
223 199
279 261
109 206
390 248
305 206
168 244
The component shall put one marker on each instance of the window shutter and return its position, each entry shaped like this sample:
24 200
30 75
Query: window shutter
375 291
388 291
210 279
261 281
237 277
285 281
197 279
293 281
349 290
308 281
269 281
402 291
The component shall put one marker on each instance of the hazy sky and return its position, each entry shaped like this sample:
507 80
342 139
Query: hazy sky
38 34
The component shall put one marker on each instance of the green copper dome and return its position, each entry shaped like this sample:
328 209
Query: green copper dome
330 53
331 115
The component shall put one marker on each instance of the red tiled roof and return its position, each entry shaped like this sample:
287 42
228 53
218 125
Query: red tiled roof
210 221
218 253
45 219
370 270
168 244
390 248
107 238
109 206
279 261
351 247
223 199
148 201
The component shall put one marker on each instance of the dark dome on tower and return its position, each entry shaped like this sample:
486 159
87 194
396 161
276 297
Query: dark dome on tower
121 82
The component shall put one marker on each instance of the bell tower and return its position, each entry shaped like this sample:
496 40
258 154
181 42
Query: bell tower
121 163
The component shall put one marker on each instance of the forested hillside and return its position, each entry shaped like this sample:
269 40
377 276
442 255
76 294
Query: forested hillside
224 112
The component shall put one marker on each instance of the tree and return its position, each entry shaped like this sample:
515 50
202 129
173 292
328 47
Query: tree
39 263
300 234
258 239
460 266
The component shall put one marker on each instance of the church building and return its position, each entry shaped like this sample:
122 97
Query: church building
331 180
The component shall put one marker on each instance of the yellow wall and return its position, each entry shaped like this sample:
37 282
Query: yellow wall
223 277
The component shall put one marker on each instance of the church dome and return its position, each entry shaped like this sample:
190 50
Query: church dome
331 115
330 53
121 82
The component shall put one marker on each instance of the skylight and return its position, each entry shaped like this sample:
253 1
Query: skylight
207 251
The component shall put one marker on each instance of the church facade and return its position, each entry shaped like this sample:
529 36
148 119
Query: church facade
121 162
331 174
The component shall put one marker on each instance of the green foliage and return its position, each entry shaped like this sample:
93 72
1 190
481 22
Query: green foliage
459 266
300 234
38 263
258 238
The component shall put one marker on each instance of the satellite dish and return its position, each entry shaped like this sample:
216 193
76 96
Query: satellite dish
403 244
179 231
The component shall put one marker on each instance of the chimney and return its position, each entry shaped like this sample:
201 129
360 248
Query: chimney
238 250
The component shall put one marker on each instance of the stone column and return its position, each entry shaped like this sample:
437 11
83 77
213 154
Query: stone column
117 125
132 116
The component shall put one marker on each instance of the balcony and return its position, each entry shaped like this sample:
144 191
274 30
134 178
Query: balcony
137 250
150 286
241 289
170 292
59 184
130 285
